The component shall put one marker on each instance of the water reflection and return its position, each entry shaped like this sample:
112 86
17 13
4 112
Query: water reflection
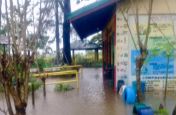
154 99
93 98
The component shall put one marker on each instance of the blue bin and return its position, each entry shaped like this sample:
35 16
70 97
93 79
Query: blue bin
138 106
143 86
129 95
145 111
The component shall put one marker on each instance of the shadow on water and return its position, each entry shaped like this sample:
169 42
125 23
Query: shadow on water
93 98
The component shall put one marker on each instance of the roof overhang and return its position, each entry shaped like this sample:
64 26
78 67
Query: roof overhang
92 18
99 48
84 45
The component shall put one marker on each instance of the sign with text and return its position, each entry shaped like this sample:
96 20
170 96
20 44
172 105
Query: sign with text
154 65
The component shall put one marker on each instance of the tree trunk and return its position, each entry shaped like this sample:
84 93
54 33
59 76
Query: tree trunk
139 63
167 69
66 34
20 110
57 32
8 101
73 55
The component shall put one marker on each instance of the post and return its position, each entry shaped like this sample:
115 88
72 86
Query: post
96 55
73 54
66 33
77 78
44 86
33 95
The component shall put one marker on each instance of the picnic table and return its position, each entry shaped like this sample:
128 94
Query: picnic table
65 67
59 73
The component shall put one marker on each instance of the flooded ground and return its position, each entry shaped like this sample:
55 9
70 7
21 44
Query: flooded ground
93 98
155 98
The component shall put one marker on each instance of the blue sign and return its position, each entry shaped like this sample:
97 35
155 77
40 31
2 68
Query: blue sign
155 65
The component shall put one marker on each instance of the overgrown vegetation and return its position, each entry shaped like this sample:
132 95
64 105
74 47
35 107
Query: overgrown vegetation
161 112
88 60
63 87
36 83
1 88
43 62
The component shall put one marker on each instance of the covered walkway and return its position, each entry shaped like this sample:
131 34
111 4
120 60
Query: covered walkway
85 45
92 19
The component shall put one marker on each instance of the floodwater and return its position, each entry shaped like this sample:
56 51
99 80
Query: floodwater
92 98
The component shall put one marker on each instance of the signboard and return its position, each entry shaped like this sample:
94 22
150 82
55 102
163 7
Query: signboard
162 31
154 65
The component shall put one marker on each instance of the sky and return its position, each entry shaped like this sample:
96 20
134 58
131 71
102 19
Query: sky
75 6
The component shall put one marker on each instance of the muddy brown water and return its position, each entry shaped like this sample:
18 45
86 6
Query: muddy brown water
93 98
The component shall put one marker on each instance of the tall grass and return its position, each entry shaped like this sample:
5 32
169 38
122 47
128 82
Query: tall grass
88 59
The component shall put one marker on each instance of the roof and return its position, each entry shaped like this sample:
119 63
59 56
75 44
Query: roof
84 45
92 18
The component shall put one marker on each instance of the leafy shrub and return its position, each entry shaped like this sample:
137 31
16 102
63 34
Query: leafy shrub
49 61
63 87
43 62
1 88
161 112
36 83
88 60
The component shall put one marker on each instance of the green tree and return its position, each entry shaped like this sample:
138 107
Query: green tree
97 39
167 50
42 41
